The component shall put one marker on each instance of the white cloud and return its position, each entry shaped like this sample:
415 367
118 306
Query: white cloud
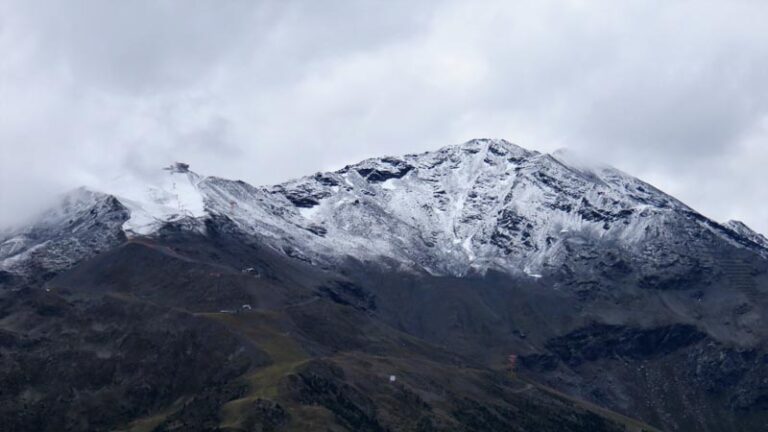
673 92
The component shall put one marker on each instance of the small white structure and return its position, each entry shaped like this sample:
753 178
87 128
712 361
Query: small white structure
392 378
251 271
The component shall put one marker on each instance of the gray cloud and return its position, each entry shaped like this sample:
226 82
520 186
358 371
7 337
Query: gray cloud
673 92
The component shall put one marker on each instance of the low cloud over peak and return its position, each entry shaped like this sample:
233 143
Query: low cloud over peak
672 92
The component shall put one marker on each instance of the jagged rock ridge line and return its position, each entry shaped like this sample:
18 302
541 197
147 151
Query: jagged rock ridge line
485 204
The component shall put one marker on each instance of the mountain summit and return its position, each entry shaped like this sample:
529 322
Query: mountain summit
478 287
485 204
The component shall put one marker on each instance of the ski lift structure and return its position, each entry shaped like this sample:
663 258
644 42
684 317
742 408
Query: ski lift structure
178 167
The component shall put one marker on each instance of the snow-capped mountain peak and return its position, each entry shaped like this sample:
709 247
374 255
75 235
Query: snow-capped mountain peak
479 205
484 204
81 224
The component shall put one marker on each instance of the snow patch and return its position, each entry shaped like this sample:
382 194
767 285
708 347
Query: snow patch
389 184
528 272
467 246
308 212
171 197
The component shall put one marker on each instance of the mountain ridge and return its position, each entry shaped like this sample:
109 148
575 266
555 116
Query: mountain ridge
488 203
466 273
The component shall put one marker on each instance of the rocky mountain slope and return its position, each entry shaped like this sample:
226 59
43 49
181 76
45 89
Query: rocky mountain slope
485 204
431 268
747 232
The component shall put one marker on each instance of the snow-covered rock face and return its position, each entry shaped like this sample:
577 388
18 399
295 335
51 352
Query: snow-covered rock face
476 206
82 224
743 230
485 204
173 197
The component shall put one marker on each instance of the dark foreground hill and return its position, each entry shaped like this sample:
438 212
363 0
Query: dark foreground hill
172 335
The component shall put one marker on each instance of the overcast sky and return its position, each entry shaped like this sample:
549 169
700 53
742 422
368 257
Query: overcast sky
673 92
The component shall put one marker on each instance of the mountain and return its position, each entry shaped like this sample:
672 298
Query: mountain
81 225
741 229
388 295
